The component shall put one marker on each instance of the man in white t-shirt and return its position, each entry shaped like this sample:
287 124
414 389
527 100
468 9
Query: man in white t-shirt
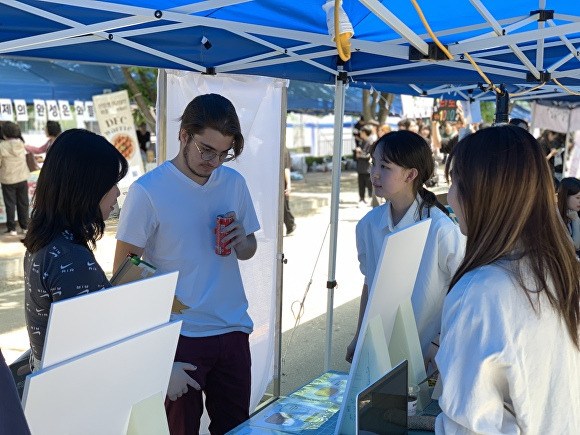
168 218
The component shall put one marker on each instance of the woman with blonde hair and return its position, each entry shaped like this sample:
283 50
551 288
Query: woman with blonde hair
509 349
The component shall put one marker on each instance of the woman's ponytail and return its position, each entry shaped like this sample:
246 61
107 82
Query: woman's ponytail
430 200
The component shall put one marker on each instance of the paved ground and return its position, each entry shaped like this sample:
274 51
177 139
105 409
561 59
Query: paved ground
305 277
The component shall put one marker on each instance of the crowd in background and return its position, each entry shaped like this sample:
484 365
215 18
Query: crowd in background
442 137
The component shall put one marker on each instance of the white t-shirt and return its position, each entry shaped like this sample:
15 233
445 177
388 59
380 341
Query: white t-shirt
172 217
505 368
444 250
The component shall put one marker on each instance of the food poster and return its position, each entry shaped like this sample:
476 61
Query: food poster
115 120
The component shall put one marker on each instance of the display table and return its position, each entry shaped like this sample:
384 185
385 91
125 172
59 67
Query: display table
312 409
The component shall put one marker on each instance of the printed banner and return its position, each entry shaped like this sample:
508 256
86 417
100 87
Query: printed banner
90 111
80 110
21 110
65 112
416 107
52 110
6 112
446 110
115 119
39 110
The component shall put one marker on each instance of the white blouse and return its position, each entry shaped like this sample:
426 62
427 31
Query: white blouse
506 368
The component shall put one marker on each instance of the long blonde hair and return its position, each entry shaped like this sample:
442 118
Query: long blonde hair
506 193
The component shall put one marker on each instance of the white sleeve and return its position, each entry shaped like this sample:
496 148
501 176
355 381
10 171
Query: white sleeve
474 362
362 251
247 211
138 218
575 224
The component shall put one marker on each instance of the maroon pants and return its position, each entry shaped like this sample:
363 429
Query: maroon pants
224 374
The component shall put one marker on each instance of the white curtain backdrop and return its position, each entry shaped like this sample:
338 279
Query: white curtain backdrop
258 102
556 118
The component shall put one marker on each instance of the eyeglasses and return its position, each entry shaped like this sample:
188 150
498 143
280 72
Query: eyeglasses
208 155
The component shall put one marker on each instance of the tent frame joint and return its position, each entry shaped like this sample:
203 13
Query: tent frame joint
434 53
543 14
210 71
545 77
331 284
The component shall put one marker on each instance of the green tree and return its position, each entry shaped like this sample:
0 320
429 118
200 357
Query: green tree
487 111
142 88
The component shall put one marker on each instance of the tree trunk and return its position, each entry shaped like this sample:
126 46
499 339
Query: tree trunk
385 104
367 108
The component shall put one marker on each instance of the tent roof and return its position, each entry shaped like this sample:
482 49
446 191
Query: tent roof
29 79
290 39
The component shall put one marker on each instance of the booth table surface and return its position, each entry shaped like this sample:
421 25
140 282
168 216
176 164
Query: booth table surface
311 409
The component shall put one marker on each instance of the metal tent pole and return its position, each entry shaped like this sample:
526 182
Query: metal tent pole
565 158
280 252
161 133
334 201
533 120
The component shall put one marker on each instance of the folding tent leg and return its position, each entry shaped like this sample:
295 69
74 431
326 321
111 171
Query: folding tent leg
334 202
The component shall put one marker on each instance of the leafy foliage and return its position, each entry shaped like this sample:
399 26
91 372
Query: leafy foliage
142 88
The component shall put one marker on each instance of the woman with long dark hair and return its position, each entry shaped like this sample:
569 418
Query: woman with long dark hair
402 162
509 356
568 206
75 193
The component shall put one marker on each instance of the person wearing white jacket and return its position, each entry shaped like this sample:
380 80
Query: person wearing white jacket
509 354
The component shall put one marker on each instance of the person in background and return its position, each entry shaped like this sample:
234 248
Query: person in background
289 220
551 147
509 354
75 193
408 124
402 163
443 142
14 175
144 137
356 131
363 165
52 131
569 206
168 218
383 129
518 122
425 132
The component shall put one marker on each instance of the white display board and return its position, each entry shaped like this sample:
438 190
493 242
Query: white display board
95 393
84 323
392 288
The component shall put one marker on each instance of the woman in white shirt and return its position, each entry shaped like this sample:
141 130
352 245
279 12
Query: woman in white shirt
509 356
402 162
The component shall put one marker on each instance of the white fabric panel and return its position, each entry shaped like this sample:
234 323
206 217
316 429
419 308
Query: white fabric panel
556 118
258 103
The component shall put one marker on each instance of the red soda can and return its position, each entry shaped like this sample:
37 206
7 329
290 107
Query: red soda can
222 248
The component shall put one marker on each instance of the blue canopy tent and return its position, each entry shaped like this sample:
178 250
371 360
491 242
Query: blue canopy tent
28 79
524 44
290 39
